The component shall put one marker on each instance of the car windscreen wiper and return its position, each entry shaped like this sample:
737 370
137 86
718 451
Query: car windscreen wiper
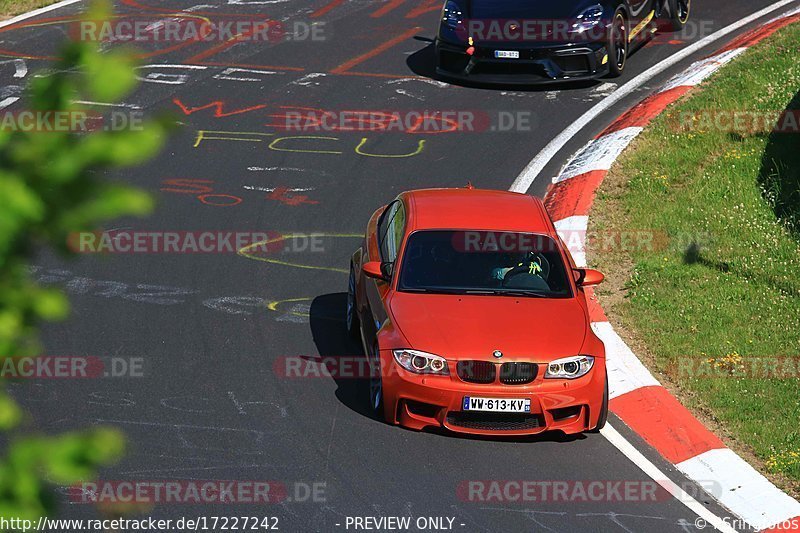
449 290
491 292
512 292
433 290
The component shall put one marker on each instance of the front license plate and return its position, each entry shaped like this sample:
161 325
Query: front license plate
497 405
506 54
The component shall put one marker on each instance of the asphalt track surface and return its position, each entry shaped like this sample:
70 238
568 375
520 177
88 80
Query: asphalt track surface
211 327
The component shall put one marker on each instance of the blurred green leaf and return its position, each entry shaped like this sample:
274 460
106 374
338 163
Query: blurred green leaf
110 76
10 414
52 187
50 305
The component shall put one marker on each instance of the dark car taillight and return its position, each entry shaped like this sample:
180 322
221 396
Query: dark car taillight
517 373
476 371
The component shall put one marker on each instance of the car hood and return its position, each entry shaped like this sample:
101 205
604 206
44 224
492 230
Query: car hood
526 9
474 326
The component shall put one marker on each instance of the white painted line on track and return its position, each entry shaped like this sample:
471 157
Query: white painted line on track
794 11
435 83
8 101
308 79
106 104
534 168
273 169
636 457
272 189
35 12
20 67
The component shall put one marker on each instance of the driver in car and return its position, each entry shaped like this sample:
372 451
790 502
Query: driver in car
532 265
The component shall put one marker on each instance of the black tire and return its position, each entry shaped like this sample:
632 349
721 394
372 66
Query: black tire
679 11
617 44
376 380
351 317
601 422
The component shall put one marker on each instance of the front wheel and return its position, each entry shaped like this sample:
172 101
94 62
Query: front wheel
678 13
617 44
352 308
601 422
376 384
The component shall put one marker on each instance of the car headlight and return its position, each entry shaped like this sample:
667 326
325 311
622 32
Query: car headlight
570 367
588 19
421 362
452 15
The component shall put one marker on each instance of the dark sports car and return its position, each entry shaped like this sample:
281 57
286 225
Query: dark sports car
536 41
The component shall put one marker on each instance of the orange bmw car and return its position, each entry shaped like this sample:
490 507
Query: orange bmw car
473 316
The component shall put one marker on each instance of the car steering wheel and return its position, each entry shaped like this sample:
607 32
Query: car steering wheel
525 269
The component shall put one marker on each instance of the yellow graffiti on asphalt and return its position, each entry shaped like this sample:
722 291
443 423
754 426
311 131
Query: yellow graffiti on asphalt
273 306
252 136
246 250
359 151
203 135
274 144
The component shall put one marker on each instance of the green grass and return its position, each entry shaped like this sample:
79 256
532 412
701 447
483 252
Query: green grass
9 8
727 286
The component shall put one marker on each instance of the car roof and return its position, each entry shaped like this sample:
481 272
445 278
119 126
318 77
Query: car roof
479 209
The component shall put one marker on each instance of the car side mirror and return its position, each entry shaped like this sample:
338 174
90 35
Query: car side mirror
375 270
387 269
587 277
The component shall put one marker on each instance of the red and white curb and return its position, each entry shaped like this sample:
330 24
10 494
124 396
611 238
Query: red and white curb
637 397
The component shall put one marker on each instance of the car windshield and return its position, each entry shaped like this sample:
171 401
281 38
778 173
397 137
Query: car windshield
483 262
